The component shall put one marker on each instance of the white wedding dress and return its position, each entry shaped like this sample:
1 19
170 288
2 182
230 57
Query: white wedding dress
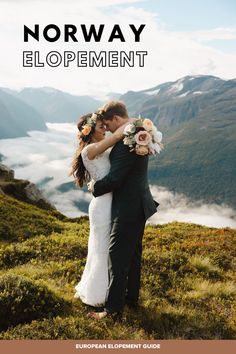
93 285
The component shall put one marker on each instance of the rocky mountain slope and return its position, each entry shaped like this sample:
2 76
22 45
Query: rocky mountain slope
21 189
198 118
17 117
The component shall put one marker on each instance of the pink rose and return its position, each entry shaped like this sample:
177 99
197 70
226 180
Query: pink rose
142 138
147 124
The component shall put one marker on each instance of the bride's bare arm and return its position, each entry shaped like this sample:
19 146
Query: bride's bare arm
97 148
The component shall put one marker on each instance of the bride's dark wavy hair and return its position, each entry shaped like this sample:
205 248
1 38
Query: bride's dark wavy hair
78 169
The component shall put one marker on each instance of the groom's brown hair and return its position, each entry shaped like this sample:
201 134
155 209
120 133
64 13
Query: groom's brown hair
111 108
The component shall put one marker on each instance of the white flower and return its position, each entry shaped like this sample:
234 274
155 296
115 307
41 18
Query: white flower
151 148
127 140
157 136
154 148
157 148
94 117
129 129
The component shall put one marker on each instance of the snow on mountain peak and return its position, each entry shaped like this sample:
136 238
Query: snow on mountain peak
177 86
152 92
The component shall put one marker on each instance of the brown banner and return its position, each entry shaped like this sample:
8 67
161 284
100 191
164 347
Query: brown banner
99 346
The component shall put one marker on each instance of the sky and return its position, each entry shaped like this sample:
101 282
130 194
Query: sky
181 37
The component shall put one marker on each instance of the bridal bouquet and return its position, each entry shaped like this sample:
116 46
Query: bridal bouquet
143 137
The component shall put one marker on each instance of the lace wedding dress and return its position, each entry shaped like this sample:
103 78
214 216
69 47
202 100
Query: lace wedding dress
94 281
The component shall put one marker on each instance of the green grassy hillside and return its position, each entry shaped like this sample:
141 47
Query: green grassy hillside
188 280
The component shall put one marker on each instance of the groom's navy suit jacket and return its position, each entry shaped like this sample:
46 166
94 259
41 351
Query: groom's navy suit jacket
128 180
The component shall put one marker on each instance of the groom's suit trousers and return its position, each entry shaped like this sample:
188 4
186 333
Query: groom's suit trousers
124 263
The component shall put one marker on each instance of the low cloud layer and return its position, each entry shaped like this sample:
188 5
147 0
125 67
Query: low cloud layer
177 207
45 157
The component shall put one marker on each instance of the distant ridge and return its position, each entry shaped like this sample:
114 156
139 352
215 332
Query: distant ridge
17 117
57 106
197 115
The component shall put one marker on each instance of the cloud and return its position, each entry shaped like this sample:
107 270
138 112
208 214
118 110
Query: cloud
42 154
210 35
66 202
49 155
177 207
88 2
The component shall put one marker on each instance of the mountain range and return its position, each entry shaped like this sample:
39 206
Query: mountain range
195 113
30 108
197 117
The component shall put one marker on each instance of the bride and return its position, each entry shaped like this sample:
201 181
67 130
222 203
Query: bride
91 161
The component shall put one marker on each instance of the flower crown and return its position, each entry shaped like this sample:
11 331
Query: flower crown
89 125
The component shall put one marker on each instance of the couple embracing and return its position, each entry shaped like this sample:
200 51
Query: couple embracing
117 177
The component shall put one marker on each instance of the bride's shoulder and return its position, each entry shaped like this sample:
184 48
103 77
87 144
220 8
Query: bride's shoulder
84 152
86 149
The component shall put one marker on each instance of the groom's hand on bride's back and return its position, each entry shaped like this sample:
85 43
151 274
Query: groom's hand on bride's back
91 185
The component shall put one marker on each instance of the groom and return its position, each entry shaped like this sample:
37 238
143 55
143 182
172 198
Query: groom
132 205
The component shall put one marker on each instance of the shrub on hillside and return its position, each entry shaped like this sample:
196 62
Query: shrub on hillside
23 300
20 221
52 247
